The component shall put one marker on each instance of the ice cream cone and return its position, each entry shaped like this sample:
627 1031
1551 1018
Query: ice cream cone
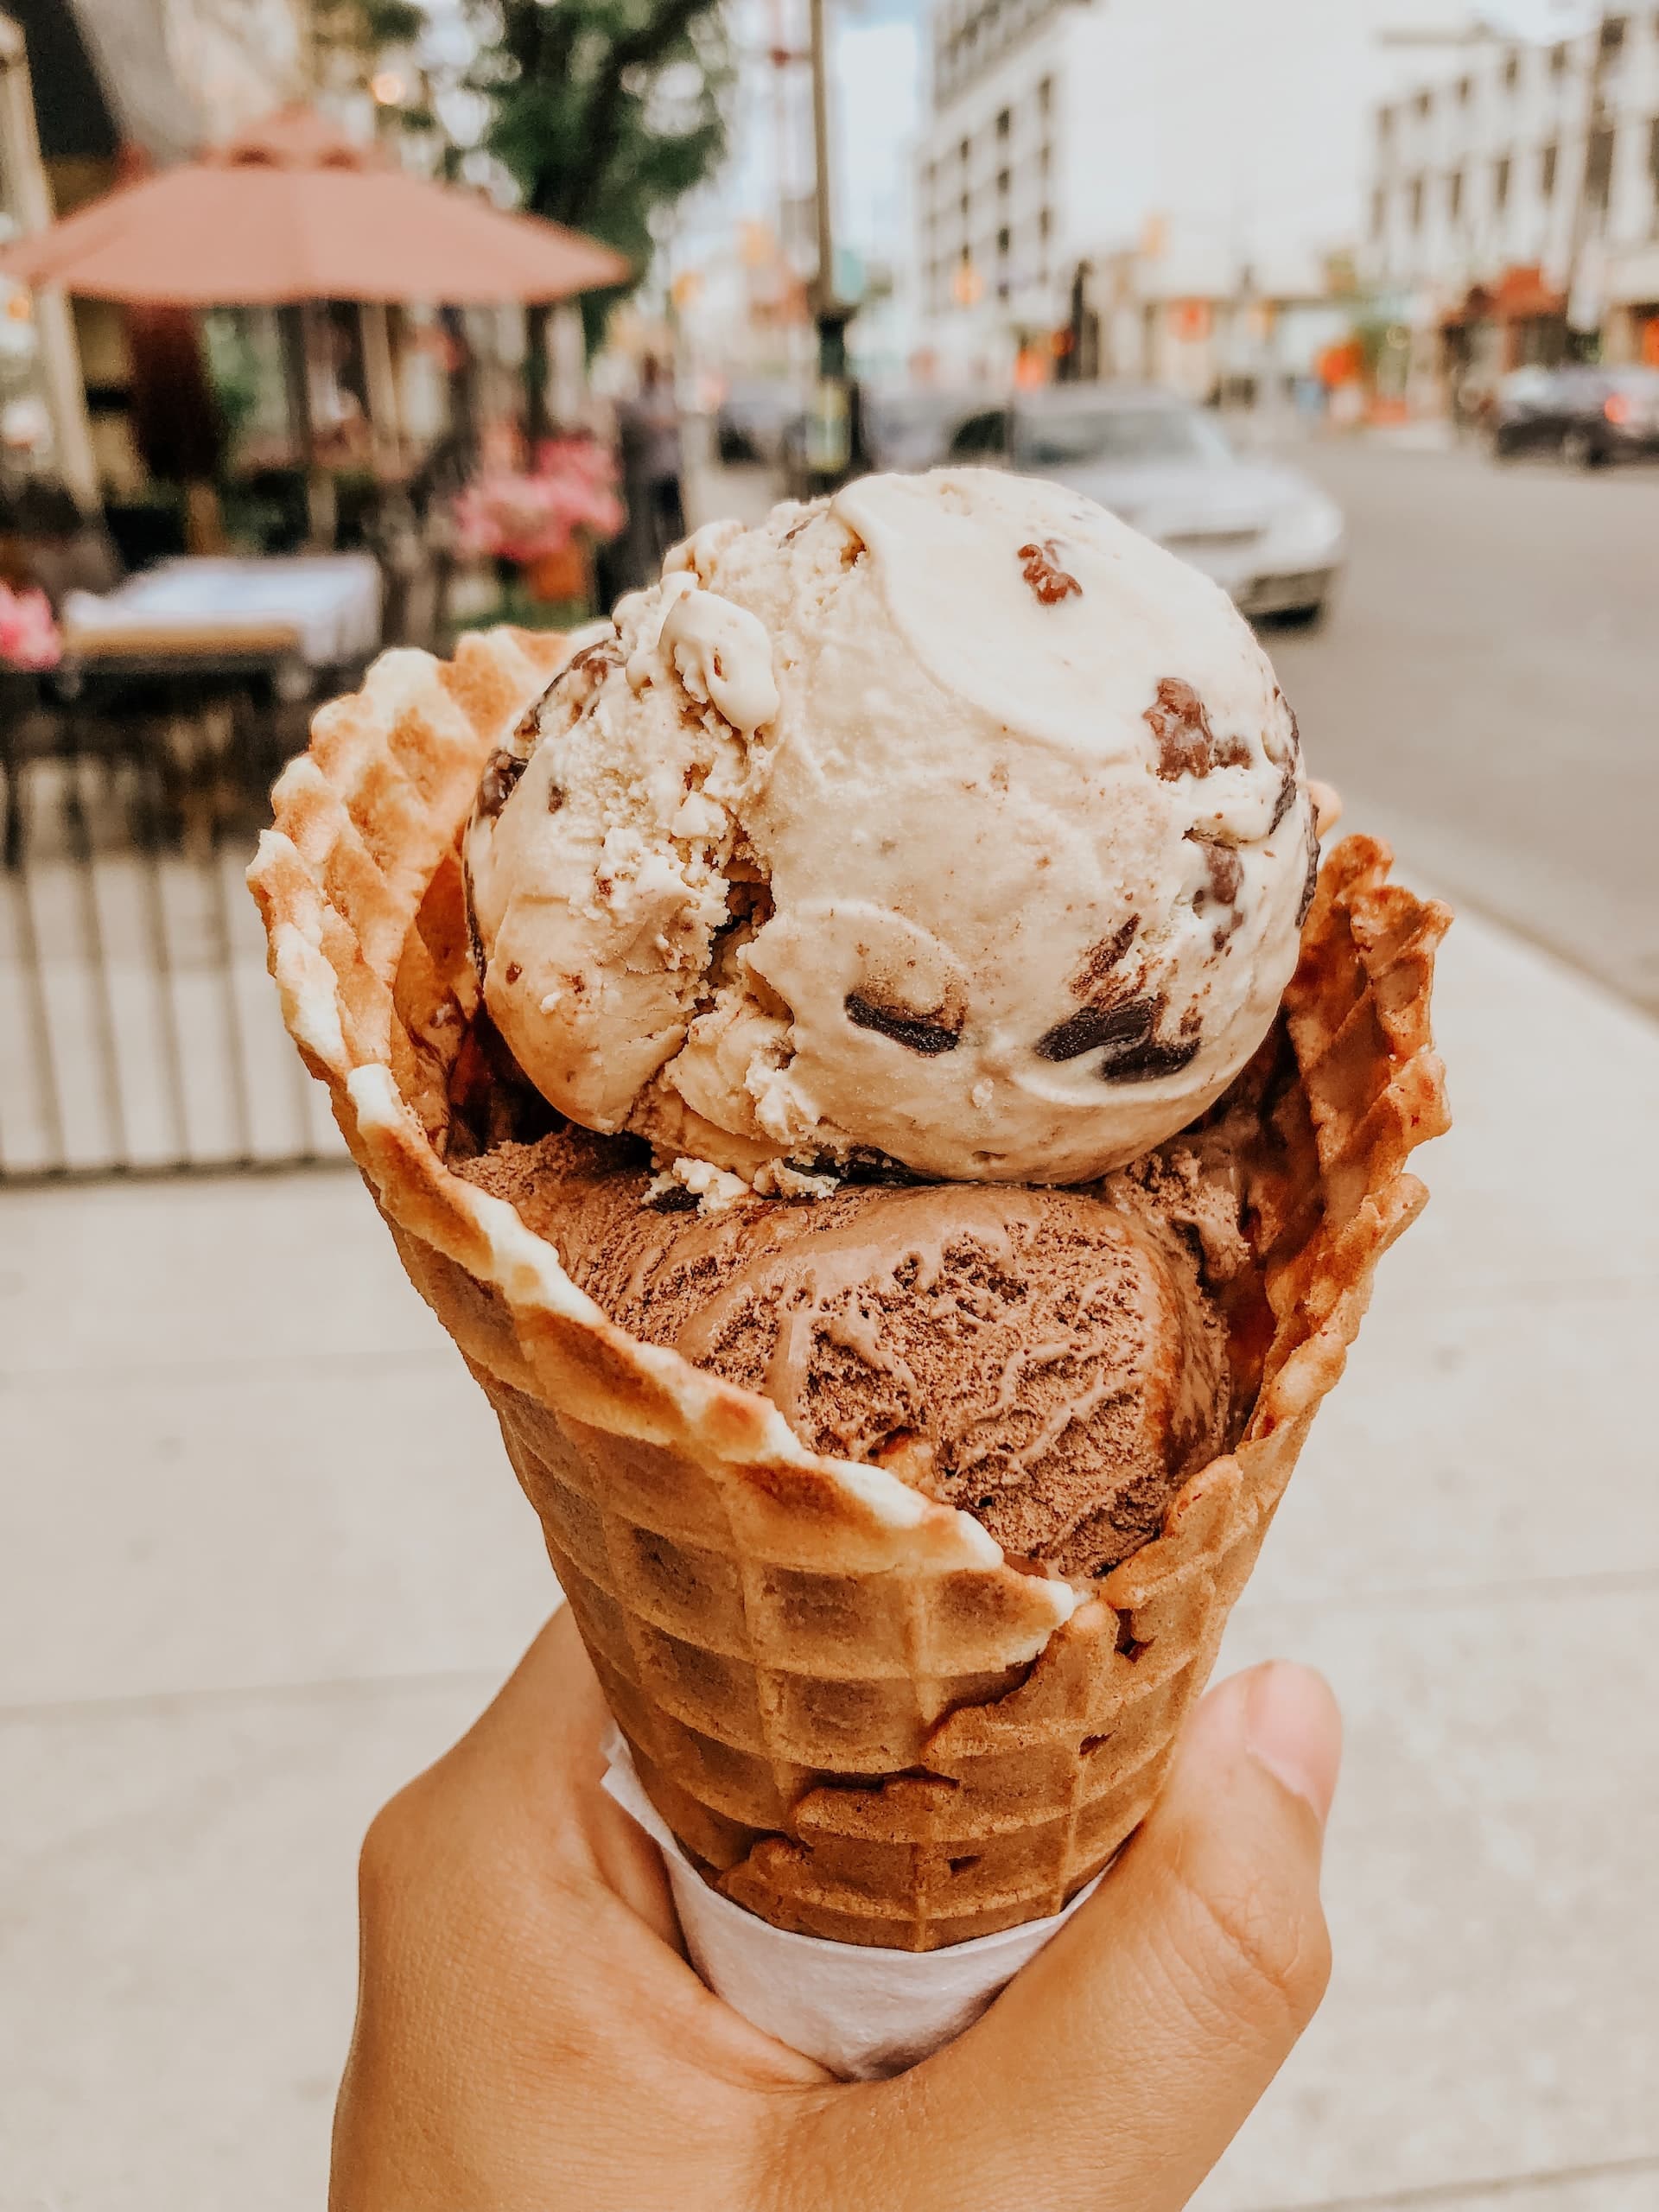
862 1721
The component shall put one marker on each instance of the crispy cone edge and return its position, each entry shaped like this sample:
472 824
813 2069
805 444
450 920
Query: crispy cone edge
862 1721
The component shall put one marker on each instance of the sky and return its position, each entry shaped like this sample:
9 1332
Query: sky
876 49
877 69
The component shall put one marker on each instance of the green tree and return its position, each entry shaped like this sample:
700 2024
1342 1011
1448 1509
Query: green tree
605 112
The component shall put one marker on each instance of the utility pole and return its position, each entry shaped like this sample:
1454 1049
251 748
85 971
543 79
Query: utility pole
1583 205
828 424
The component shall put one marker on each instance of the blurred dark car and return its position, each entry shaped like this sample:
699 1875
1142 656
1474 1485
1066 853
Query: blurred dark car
752 421
911 427
1590 416
1263 531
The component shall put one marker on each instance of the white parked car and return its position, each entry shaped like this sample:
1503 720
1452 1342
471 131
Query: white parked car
1266 532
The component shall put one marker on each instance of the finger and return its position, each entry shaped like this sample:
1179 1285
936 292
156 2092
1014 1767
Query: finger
1119 2065
518 2005
531 1766
558 1916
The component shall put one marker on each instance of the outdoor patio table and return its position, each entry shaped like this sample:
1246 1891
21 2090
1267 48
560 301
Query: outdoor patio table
321 610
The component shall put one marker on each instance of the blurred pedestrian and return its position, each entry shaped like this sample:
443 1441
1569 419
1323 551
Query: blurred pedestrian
653 467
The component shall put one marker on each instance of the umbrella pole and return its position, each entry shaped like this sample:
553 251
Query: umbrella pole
539 372
295 323
380 377
463 384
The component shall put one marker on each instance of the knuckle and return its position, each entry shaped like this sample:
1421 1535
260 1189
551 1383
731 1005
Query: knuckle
1252 1953
391 1850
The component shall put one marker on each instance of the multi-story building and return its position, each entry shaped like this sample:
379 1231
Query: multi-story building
1518 194
1173 177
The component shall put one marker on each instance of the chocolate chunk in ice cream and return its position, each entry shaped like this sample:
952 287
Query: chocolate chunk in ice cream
915 1031
1114 1027
1053 1362
1187 746
500 781
1040 566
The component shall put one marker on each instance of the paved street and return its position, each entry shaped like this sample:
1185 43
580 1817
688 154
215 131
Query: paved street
1486 693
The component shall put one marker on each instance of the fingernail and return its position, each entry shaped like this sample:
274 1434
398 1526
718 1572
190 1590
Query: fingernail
1293 1728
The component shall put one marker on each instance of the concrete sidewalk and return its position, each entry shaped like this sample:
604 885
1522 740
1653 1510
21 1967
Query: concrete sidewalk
264 1558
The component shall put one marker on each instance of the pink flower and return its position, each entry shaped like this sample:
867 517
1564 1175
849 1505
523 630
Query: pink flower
527 515
28 634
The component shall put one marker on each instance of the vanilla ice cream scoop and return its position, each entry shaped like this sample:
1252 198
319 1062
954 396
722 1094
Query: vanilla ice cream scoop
949 821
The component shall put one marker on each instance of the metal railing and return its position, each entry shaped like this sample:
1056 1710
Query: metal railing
139 1031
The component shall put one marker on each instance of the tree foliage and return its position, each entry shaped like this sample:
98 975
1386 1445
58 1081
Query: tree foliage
366 26
605 112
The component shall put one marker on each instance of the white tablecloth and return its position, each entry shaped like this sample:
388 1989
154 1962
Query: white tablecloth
329 602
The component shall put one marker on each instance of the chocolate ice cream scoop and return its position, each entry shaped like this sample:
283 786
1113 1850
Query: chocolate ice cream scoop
1053 1361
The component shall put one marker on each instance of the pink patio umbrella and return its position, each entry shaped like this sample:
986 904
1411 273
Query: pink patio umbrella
293 210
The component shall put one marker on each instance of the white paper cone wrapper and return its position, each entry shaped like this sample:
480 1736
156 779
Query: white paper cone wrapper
861 2012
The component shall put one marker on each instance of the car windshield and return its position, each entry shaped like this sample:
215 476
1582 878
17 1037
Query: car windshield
1117 433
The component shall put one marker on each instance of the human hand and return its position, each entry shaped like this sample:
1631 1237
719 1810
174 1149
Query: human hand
529 2035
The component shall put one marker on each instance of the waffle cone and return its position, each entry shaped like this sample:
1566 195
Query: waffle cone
858 1719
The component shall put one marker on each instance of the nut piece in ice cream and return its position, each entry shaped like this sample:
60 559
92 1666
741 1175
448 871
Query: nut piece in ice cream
1053 1361
949 821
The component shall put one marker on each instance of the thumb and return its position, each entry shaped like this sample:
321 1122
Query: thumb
1120 2064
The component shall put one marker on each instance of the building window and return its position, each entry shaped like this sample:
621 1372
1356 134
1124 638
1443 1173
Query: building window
1598 169
1465 91
1379 212
1613 29
966 151
963 203
1003 120
1045 223
1002 242
1454 195
1384 125
1423 105
1045 96
1414 202
1511 69
1548 161
1558 59
1002 184
1500 184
